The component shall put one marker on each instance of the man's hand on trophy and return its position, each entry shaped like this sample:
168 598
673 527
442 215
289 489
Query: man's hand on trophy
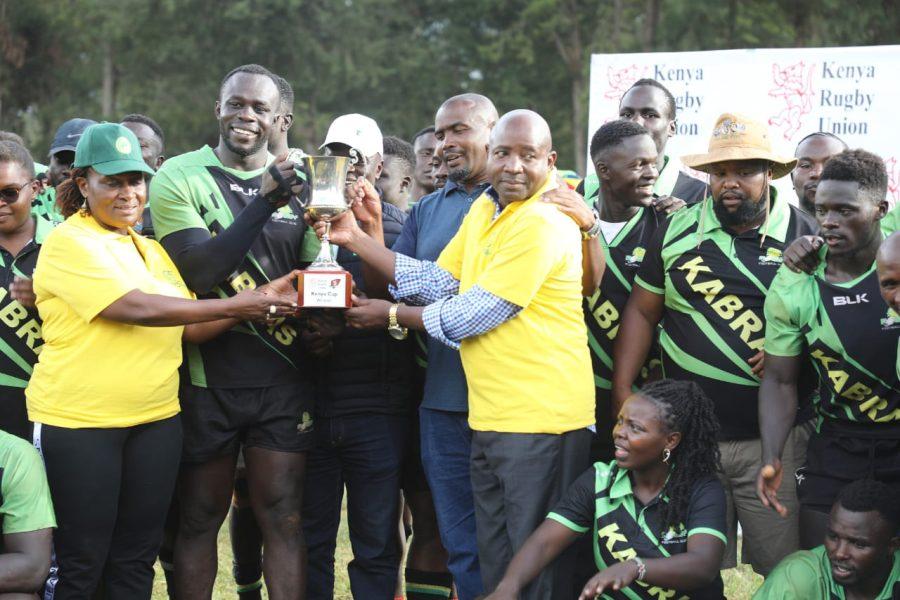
343 228
280 182
368 313
365 202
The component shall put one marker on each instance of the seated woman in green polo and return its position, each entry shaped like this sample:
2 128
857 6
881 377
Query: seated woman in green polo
656 513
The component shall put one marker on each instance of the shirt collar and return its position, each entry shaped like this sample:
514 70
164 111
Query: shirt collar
549 184
454 187
621 485
89 223
775 225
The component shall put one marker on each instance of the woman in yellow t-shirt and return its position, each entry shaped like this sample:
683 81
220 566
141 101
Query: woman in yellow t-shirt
104 394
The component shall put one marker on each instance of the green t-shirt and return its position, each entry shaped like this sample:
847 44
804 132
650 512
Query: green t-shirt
44 206
715 283
601 501
806 575
851 337
891 221
196 191
25 503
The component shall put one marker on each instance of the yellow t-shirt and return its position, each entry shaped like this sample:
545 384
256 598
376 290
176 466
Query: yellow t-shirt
93 372
532 374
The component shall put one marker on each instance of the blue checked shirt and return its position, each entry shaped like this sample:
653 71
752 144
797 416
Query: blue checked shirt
448 316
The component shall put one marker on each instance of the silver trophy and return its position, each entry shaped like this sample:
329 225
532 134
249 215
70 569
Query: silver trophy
327 181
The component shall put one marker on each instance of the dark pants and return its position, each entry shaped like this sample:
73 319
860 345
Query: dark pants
365 454
516 479
111 490
446 456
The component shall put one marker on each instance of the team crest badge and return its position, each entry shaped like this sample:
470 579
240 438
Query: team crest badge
772 256
891 320
123 145
636 257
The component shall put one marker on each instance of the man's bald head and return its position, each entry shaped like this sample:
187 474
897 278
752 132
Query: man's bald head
462 127
479 106
888 263
524 122
521 155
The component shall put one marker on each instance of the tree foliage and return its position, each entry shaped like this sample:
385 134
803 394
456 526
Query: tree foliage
394 60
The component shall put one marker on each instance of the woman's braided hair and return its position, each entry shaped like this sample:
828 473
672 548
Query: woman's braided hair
68 197
683 407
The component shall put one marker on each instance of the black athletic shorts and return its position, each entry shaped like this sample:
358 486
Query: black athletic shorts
217 421
834 459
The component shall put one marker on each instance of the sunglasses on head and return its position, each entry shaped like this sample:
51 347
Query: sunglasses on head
12 194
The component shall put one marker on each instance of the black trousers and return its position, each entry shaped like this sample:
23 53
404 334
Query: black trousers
111 490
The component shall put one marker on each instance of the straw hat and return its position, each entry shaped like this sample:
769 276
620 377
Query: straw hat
736 137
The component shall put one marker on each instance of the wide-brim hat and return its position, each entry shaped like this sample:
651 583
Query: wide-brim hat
110 149
737 137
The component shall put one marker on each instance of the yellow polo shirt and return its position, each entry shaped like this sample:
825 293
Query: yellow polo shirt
93 372
532 374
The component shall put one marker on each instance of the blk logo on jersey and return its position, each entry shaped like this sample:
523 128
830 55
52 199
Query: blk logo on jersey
851 300
248 192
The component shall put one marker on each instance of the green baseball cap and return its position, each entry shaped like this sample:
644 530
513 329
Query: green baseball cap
110 149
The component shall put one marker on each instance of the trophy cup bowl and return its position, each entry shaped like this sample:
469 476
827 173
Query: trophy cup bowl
324 284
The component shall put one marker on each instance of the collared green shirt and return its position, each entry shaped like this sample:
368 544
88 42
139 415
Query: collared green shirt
851 337
25 503
807 575
715 283
602 502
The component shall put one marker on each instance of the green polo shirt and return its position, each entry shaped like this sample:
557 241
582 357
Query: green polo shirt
601 500
25 503
44 206
807 575
715 283
851 337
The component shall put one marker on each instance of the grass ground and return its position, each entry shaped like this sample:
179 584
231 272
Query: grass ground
740 583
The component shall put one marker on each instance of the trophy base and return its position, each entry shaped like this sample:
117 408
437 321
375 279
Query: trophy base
324 288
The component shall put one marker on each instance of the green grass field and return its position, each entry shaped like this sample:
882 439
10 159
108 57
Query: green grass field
740 583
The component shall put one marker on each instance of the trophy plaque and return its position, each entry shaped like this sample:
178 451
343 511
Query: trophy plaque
324 284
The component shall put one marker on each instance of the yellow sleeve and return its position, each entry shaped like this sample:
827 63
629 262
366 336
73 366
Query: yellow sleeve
80 271
533 248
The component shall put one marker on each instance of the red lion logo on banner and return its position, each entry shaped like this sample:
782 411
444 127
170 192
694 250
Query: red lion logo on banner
893 171
621 79
793 84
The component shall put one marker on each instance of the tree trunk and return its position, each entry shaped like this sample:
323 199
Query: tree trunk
578 122
108 93
651 24
732 22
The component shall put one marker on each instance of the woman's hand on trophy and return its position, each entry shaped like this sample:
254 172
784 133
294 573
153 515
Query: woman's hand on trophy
368 313
283 286
254 305
280 182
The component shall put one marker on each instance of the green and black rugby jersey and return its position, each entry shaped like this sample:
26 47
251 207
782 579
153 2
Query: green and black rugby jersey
715 283
603 310
851 337
601 501
195 190
20 334
44 206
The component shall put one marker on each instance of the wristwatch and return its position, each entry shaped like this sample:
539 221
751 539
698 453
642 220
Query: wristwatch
397 332
594 231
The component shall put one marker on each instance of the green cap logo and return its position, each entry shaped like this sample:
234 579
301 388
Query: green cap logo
123 145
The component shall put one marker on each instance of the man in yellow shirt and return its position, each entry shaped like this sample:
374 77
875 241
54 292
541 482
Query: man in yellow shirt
507 291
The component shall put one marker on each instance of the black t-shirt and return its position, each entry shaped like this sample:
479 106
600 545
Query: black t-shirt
20 332
195 191
601 501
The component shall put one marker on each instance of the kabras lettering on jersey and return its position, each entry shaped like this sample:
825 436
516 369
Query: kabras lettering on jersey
727 306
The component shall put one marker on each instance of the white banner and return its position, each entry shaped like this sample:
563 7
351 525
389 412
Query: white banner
853 93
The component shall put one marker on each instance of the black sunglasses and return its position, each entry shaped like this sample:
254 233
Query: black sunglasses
12 194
